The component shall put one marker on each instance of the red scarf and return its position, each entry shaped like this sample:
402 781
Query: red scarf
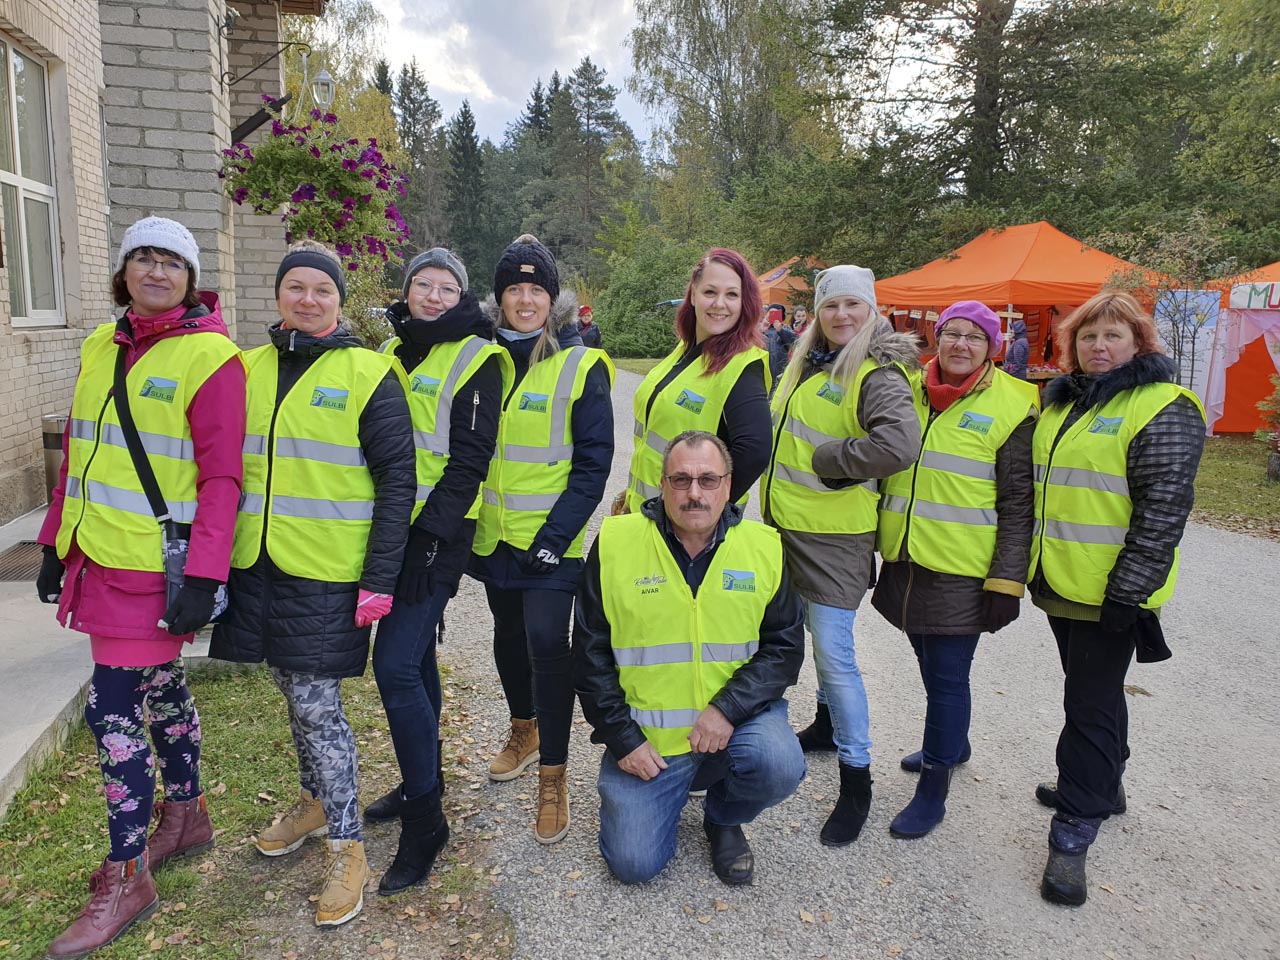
943 395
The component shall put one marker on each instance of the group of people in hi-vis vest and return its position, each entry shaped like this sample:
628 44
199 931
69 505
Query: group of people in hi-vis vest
303 490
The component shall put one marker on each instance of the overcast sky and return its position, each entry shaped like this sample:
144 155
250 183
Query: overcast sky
490 52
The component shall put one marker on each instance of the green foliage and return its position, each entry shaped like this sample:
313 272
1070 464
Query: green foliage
631 322
1270 408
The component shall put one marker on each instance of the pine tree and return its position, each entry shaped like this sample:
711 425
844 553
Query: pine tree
537 114
465 180
418 120
382 81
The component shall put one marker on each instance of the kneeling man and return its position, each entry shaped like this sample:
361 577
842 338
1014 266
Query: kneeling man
687 635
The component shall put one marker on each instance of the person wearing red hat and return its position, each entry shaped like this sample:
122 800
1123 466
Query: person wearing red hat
587 329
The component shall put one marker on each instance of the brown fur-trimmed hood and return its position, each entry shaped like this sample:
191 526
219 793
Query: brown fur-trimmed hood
564 313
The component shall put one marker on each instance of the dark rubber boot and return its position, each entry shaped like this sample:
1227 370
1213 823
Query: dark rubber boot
1064 878
423 833
912 761
387 807
852 807
1047 794
818 735
927 807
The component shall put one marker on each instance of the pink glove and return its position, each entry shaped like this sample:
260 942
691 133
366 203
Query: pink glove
371 607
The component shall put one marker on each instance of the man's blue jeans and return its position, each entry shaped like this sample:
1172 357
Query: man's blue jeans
840 681
404 663
639 818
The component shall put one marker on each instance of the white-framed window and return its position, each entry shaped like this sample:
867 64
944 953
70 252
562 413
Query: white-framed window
32 250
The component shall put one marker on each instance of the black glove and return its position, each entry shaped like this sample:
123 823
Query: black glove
49 579
839 483
1118 617
540 559
1000 609
192 608
414 582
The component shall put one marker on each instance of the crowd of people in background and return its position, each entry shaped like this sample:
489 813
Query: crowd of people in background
301 492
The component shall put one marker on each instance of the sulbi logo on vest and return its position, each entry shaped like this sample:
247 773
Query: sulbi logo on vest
427 386
158 388
534 402
329 398
690 401
831 393
1107 426
740 581
976 422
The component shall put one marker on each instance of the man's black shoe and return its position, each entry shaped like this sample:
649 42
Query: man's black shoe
731 856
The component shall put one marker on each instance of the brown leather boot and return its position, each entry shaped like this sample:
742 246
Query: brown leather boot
184 829
553 804
121 894
520 751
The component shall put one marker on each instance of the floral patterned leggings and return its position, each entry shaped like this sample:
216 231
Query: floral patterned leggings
123 704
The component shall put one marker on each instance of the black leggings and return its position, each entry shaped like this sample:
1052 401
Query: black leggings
535 664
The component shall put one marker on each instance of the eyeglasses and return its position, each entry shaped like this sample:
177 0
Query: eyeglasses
447 291
707 481
952 336
147 264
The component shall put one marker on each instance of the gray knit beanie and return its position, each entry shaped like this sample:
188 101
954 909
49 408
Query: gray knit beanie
845 280
436 257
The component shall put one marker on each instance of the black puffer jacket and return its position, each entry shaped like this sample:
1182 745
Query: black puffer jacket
308 626
1160 469
764 678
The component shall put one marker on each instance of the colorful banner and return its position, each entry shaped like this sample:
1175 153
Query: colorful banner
1255 296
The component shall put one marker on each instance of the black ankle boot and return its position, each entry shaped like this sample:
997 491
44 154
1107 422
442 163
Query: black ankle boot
818 735
731 856
852 807
1064 878
423 833
1047 794
386 807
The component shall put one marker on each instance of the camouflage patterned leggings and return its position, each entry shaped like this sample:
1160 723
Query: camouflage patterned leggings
326 747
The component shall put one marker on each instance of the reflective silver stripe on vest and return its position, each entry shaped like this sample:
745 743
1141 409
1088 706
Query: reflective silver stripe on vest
637 428
651 656
489 496
953 463
308 508
800 477
73 487
81 429
529 502
431 442
321 451
973 516
556 450
729 652
1083 532
438 442
251 502
807 433
255 444
644 489
129 501
656 442
1087 480
893 503
424 491
666 719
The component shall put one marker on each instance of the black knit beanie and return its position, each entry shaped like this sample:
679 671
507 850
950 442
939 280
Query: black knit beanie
526 260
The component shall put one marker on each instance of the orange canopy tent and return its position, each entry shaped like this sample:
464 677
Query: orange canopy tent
780 285
1246 369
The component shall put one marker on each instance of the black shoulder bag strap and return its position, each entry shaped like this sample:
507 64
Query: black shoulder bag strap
141 463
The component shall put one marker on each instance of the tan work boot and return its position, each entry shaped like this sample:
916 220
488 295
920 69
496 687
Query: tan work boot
520 751
343 894
553 805
304 819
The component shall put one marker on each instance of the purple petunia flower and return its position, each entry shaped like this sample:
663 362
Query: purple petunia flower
330 118
349 164
316 114
305 192
343 249
240 195
278 129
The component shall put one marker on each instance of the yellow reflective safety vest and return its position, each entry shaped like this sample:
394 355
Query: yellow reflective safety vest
675 653
941 511
693 400
432 390
106 511
1082 492
305 477
815 412
531 466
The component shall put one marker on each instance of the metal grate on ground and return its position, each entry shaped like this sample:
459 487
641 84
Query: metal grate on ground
21 561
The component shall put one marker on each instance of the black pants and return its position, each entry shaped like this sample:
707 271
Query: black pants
535 663
1094 743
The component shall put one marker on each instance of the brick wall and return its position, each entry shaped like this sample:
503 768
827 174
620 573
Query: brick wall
38 365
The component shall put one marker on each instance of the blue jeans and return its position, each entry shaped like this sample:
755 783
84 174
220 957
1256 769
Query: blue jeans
944 668
638 818
404 663
840 681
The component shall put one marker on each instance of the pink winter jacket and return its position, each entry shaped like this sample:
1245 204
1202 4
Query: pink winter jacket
119 608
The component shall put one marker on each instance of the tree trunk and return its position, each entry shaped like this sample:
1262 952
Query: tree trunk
1273 466
986 49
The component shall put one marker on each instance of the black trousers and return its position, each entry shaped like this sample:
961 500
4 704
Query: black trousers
535 662
1094 742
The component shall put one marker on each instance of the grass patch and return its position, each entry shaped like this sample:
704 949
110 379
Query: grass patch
638 365
1232 483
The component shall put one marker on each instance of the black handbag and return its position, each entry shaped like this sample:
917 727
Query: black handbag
176 537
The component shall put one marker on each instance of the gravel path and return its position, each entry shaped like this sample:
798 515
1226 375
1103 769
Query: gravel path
1189 871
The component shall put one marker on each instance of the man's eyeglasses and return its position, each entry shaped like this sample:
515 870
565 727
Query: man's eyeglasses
447 291
952 336
707 481
147 264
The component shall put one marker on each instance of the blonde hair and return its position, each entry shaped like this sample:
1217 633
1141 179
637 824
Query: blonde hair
315 246
848 360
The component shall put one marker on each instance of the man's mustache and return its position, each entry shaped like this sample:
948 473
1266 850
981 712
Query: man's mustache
693 505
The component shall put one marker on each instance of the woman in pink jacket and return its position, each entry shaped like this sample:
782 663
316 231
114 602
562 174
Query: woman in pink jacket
103 563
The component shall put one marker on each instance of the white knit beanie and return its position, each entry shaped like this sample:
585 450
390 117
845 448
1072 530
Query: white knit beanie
845 281
164 234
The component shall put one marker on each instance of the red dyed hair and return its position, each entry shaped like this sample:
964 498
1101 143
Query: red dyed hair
723 347
1109 305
